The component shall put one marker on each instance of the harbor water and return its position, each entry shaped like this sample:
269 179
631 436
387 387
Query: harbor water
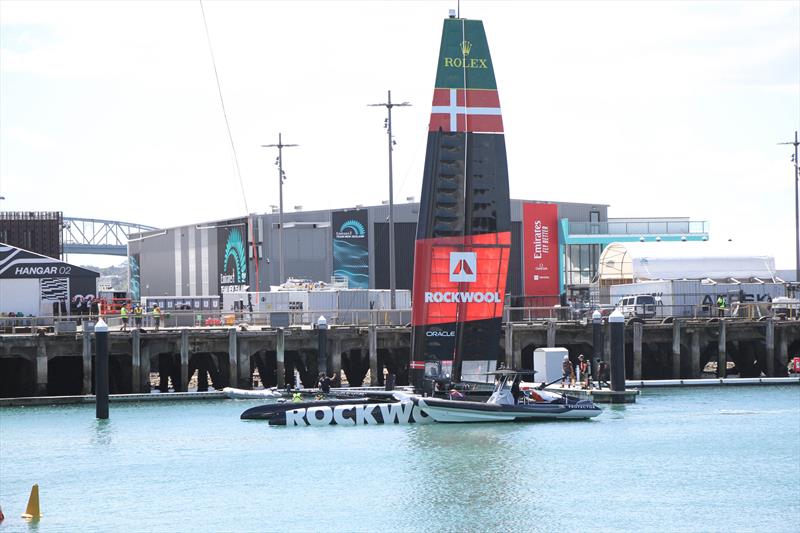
711 459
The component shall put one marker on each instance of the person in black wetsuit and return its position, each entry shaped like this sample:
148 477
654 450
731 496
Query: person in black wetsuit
324 383
515 392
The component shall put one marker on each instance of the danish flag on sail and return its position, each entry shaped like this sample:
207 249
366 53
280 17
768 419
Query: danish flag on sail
473 110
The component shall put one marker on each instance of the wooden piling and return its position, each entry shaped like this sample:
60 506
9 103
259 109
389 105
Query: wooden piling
551 334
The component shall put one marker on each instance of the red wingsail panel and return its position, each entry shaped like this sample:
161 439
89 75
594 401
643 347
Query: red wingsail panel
460 279
470 110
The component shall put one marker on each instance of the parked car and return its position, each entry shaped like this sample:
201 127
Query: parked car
639 306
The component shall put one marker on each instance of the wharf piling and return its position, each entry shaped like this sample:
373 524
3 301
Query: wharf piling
33 364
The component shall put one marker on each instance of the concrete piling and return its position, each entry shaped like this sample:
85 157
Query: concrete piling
136 361
41 367
783 351
336 359
322 344
101 370
551 334
637 350
373 356
696 355
245 371
144 371
676 349
184 384
597 340
233 356
770 345
722 356
509 345
86 387
617 364
280 354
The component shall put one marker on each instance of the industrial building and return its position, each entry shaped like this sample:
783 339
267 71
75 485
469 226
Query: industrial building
555 249
37 285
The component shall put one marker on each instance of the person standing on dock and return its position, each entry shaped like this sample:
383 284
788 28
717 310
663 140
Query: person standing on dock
157 316
137 316
123 314
583 367
721 305
602 374
566 368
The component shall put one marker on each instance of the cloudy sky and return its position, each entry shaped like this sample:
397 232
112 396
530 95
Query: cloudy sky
110 109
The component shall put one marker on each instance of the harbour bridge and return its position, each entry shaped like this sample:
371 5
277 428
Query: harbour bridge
100 237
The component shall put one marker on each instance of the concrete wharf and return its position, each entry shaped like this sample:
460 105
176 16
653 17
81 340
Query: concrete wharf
50 364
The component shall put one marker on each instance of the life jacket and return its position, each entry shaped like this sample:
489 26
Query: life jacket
297 397
156 312
123 312
138 311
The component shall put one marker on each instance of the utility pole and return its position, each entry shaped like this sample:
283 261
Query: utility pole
389 105
281 177
796 211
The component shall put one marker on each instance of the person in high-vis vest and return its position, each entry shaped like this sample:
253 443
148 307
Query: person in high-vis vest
157 316
137 315
123 314
721 305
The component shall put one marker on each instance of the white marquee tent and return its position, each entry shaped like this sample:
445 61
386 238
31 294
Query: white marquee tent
640 261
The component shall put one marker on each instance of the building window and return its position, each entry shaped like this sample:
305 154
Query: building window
580 263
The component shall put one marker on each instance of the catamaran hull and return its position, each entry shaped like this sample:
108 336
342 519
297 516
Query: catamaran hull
339 413
465 411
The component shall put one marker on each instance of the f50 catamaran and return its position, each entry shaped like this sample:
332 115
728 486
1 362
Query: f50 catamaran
464 230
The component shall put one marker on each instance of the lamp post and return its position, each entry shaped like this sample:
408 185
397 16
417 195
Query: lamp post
796 211
281 176
389 105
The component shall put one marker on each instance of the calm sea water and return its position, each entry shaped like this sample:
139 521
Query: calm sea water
711 459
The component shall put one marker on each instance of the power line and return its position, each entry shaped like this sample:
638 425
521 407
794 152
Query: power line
224 112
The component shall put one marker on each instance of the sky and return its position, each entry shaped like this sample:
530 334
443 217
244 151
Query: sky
111 110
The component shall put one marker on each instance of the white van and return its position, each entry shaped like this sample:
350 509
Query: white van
640 306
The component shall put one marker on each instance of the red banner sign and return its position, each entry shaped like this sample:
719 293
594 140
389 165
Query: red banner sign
540 249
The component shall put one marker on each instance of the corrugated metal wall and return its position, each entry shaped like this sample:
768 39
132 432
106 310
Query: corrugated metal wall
404 235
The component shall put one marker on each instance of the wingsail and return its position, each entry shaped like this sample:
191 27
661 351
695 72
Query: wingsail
464 231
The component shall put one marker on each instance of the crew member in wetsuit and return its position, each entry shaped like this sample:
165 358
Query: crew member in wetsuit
515 392
583 364
602 374
324 383
567 370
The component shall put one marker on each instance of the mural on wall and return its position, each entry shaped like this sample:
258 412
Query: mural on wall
351 247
